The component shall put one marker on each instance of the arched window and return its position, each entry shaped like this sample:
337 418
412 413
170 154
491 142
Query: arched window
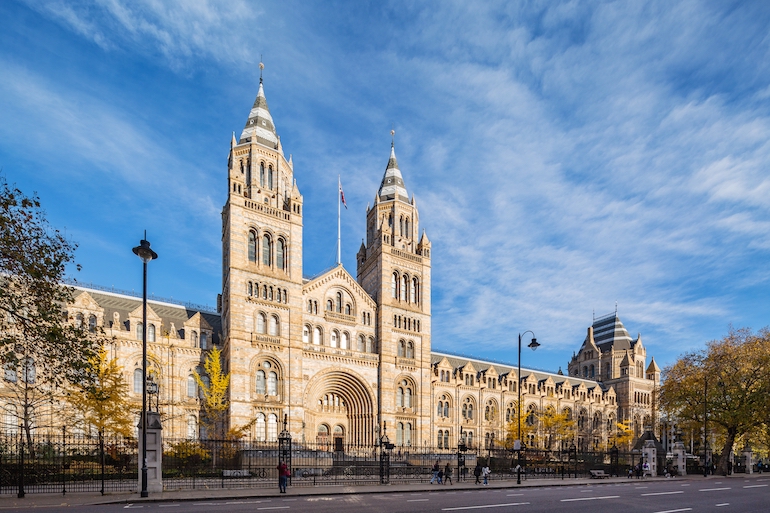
347 309
261 323
9 372
249 289
361 344
345 342
192 386
317 336
407 397
279 262
404 288
79 323
259 425
270 177
137 381
272 427
306 334
272 384
192 427
591 371
139 330
92 323
334 338
409 349
407 233
446 408
399 433
252 246
400 397
401 348
29 371
408 434
329 305
151 333
394 285
413 290
370 347
531 415
204 341
440 410
440 439
194 338
274 326
401 226
266 250
261 387
338 302
262 176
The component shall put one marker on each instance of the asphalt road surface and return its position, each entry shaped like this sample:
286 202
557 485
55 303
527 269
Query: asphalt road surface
671 496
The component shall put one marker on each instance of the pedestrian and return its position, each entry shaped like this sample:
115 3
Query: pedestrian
435 473
283 476
447 474
441 476
477 473
630 472
486 472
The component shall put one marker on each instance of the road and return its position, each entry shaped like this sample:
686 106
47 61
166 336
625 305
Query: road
744 495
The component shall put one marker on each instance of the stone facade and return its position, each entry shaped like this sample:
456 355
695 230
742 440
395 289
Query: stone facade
343 359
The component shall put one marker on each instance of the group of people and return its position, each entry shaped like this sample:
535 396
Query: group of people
441 476
482 472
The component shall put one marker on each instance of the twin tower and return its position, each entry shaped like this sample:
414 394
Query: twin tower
342 360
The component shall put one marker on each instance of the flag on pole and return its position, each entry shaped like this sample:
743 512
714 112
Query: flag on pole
342 197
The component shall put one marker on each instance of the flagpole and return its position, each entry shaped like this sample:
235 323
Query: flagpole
339 227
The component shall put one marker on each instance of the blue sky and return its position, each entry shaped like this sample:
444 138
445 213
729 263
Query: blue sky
564 156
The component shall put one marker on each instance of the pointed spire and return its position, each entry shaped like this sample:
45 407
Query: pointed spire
259 126
233 142
392 186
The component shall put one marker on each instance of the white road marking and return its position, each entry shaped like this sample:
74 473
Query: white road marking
591 498
755 486
660 493
674 510
640 487
131 506
685 485
169 505
486 506
289 500
416 500
714 489
514 495
723 504
273 507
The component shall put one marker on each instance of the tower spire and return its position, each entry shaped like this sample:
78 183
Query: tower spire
261 67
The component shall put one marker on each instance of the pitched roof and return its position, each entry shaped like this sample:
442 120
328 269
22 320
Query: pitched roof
392 186
502 369
609 332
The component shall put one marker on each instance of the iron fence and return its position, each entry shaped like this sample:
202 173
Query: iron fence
64 463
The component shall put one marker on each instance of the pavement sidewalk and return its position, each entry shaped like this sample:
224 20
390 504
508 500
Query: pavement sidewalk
231 495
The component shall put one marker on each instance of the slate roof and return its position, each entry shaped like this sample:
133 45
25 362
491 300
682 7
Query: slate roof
168 312
392 186
609 333
482 365
260 123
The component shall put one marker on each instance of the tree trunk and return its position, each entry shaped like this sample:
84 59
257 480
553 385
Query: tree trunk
726 450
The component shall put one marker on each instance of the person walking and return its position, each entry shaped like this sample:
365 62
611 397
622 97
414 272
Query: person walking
477 473
435 473
486 472
447 474
283 476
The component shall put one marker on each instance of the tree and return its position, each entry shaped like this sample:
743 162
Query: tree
213 386
102 405
40 349
623 435
555 427
729 382
512 429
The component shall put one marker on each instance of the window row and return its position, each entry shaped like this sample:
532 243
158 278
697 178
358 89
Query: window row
444 376
267 324
28 371
338 339
271 251
405 349
266 178
267 292
337 304
266 427
199 340
405 227
442 409
403 434
406 323
80 322
442 439
405 288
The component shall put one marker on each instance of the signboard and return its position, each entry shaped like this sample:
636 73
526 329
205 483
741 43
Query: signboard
517 445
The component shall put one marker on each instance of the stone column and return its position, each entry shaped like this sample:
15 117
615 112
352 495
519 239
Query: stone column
650 454
748 458
154 453
680 458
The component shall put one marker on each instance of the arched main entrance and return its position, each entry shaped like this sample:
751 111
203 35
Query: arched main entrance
340 406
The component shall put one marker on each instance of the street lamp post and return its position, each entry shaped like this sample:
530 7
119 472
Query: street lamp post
144 252
533 345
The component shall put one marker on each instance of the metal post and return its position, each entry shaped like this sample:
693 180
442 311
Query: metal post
518 419
705 424
144 492
20 495
64 459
